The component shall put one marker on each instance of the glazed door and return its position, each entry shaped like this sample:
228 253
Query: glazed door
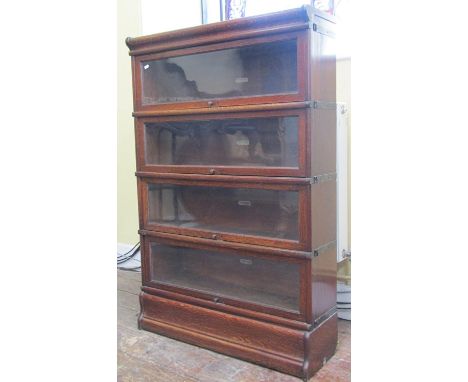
267 214
238 278
262 143
250 71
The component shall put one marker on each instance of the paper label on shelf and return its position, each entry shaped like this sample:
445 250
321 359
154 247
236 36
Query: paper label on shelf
243 141
241 80
244 203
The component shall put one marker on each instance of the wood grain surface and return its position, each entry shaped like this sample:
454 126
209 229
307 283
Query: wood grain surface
148 357
284 64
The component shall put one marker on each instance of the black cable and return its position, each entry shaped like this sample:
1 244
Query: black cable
129 256
123 254
123 259
137 269
119 256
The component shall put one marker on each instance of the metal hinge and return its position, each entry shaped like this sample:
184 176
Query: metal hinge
323 248
323 178
324 105
319 29
325 316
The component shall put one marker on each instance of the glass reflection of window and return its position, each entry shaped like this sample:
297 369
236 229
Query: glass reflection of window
268 213
263 142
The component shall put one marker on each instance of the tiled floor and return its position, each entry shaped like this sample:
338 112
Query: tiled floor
148 357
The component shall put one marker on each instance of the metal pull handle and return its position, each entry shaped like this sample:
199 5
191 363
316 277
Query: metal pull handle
212 171
210 103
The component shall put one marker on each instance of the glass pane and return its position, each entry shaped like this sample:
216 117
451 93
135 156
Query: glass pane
243 277
261 142
262 69
270 213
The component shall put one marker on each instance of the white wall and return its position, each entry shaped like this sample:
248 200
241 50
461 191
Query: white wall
128 25
258 7
163 16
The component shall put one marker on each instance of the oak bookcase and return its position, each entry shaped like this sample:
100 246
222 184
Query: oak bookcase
235 131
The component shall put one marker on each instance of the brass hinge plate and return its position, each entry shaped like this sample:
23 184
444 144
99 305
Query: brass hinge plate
324 105
322 30
317 251
323 178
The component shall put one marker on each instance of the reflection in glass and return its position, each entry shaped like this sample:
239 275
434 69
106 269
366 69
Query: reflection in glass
244 277
270 213
262 69
260 142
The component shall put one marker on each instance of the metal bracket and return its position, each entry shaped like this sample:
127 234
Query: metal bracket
323 248
325 316
324 105
319 29
323 178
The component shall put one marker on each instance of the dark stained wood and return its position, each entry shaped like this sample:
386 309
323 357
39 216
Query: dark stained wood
148 357
323 213
278 22
217 147
230 109
323 283
320 345
227 308
300 353
322 87
323 142
199 206
247 181
192 288
186 86
268 344
224 302
196 242
323 228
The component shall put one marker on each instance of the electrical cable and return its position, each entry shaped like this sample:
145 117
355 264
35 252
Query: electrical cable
137 269
126 253
124 258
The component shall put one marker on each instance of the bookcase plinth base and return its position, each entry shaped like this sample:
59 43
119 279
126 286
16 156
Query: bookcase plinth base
297 352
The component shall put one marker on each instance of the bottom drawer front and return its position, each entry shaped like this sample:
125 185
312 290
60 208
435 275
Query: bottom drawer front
210 327
230 274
